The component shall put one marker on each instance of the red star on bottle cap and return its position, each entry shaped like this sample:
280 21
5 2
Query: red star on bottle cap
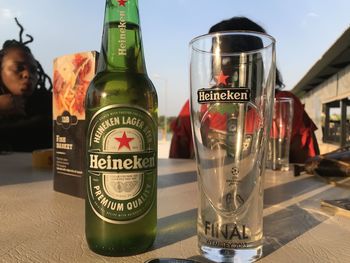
221 78
124 141
122 2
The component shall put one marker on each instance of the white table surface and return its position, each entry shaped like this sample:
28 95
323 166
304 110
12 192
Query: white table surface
38 224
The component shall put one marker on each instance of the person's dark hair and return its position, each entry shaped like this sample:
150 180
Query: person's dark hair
243 24
20 44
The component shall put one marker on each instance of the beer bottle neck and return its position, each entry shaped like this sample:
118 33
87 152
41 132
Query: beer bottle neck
121 42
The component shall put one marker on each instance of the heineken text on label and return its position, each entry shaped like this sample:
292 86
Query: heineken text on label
122 40
223 95
125 162
122 29
121 163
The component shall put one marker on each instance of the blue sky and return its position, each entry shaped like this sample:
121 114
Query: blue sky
304 30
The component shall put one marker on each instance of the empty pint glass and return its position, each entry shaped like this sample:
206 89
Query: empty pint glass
281 131
232 77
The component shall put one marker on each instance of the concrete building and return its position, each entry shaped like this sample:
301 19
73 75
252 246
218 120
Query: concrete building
325 91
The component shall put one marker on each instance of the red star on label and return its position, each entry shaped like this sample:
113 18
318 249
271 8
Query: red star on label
221 78
124 141
122 2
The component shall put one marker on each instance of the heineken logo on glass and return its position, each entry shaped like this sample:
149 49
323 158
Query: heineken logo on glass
221 92
214 95
121 161
221 78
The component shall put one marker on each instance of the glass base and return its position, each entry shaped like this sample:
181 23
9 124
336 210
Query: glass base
231 255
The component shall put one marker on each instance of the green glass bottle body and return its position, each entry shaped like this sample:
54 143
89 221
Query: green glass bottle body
121 148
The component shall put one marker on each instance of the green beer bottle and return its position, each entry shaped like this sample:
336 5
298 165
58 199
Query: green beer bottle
121 148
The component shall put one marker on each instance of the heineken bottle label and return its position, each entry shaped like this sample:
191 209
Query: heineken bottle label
121 163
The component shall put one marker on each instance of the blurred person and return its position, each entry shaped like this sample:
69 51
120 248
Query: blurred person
25 102
303 140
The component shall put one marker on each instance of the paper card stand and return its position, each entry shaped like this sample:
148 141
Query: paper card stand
71 78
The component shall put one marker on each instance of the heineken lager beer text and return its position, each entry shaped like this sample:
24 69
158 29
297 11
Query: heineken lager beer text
121 147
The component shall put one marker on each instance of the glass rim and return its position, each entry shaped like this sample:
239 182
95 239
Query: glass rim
234 32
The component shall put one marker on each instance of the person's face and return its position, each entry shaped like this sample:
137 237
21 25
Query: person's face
19 72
